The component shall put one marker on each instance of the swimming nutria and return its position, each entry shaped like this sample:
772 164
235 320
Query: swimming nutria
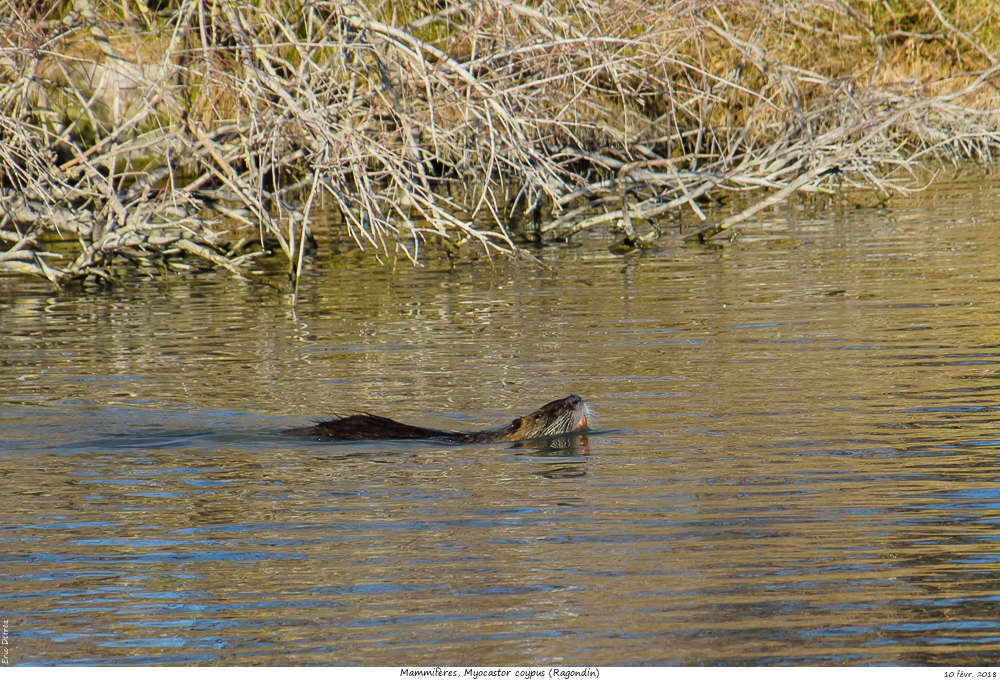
556 417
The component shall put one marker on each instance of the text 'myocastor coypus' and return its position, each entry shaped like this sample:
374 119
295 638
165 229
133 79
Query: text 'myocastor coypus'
561 416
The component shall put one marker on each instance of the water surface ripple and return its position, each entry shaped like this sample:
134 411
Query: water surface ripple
795 460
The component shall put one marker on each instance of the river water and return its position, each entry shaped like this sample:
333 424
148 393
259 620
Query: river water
795 456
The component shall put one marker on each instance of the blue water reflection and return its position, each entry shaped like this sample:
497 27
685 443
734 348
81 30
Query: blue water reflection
779 475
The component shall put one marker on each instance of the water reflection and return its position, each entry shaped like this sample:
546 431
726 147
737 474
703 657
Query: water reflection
794 476
561 457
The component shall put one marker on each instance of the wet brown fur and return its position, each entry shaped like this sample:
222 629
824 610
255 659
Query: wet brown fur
556 417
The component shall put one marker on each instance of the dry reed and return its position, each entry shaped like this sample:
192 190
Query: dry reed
163 138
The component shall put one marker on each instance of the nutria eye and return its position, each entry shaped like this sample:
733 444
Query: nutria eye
517 422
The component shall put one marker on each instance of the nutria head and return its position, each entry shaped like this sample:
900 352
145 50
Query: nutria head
556 417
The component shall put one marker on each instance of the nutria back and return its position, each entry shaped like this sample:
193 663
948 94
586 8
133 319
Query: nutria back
367 426
561 416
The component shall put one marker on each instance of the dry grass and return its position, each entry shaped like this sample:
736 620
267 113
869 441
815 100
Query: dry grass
160 135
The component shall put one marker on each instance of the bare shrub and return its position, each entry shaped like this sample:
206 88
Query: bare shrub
199 132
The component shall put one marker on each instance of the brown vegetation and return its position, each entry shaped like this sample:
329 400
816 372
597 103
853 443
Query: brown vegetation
178 132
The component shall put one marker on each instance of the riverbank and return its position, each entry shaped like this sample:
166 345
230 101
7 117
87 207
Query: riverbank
181 136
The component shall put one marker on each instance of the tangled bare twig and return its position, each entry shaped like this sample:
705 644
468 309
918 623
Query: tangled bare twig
160 140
